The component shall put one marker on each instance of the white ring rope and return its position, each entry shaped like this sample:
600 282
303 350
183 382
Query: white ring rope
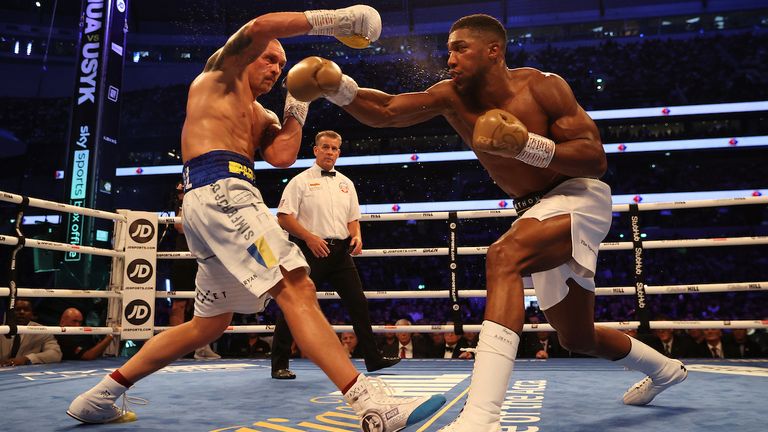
60 293
676 205
60 330
480 214
481 250
703 242
66 208
608 246
64 247
474 328
432 294
437 251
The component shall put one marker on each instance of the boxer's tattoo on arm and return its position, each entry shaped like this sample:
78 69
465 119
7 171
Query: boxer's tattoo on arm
239 43
237 46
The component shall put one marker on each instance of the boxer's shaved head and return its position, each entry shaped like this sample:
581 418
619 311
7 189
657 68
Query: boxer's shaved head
490 27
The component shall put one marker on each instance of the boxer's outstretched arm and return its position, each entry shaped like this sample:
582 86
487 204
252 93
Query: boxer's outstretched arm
251 40
357 24
379 109
579 151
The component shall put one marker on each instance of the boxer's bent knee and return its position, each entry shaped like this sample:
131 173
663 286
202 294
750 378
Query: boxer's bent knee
506 256
582 343
294 288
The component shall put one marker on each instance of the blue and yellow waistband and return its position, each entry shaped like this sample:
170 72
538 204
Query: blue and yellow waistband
216 165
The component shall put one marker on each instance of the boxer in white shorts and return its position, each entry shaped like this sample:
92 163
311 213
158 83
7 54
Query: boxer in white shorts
531 135
244 255
588 202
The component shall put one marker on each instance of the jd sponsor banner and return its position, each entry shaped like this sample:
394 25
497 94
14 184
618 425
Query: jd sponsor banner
138 316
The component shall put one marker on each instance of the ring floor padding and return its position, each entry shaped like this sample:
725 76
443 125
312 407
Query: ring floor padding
569 395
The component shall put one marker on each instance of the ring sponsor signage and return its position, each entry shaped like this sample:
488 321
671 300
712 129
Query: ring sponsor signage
95 113
140 269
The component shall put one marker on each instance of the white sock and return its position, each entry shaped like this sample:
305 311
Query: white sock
494 361
115 388
645 359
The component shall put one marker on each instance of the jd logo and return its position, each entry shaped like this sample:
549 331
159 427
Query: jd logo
139 271
137 312
141 231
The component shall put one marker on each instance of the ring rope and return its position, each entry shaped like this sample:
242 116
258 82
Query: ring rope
268 328
480 214
481 250
607 246
62 330
62 293
467 214
66 208
441 294
64 247
370 253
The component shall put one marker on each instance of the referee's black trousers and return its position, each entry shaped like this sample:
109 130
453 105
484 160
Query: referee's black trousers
339 270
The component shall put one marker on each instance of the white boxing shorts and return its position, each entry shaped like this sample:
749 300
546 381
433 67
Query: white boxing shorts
237 242
588 201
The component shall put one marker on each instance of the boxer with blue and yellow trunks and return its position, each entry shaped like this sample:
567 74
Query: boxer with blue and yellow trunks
244 256
237 242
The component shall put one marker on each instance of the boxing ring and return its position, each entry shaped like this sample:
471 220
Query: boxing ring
239 394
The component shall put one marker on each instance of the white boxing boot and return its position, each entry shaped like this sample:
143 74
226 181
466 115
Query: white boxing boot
97 405
662 373
381 411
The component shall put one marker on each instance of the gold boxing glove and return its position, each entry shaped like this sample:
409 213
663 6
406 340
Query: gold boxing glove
355 26
316 77
311 77
500 133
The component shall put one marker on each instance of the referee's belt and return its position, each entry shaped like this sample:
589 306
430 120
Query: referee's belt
330 241
333 242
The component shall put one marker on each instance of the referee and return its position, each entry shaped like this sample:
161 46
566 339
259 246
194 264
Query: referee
320 211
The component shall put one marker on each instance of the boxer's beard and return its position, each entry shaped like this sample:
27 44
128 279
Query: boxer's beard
471 90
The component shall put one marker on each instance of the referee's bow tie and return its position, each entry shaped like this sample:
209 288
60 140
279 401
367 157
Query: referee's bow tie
327 173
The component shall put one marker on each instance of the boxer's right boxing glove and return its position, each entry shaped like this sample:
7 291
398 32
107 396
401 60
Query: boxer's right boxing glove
316 77
296 109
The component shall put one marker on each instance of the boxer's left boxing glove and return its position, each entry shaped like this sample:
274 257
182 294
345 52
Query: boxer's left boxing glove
316 77
355 26
500 133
